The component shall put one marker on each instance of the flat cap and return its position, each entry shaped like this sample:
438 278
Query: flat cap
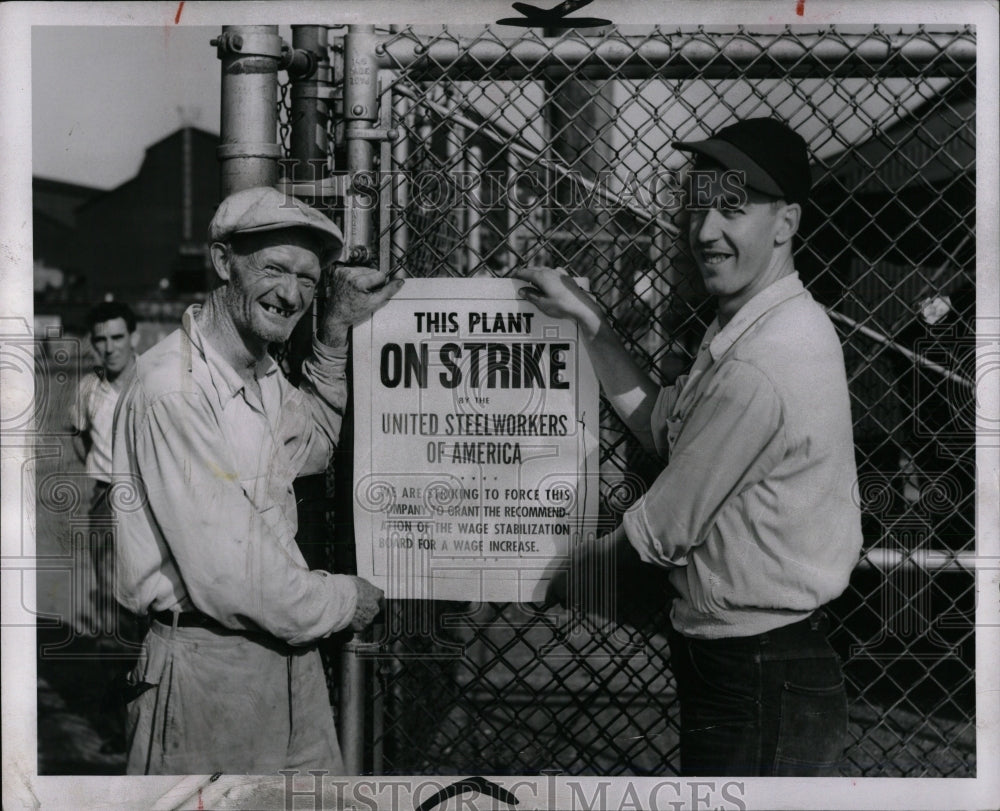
264 208
772 157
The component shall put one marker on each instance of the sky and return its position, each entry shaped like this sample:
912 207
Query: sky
101 95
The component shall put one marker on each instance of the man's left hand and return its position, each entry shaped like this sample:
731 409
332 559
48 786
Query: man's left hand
369 603
355 293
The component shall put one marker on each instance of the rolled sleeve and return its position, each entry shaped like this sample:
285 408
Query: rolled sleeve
324 391
732 438
78 412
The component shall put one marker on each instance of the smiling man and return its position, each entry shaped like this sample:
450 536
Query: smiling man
753 515
114 339
229 678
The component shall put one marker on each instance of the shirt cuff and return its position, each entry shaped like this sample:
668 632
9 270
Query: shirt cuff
645 542
346 594
658 417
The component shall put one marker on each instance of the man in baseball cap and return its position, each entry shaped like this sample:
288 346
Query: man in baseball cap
229 678
765 155
752 516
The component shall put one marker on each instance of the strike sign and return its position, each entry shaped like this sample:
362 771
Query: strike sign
475 453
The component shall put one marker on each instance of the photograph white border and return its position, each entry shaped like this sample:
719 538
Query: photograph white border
22 787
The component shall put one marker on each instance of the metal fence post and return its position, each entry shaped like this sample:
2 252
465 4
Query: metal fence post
399 185
360 112
249 150
311 95
308 160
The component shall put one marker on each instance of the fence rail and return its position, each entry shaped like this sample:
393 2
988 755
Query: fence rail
681 55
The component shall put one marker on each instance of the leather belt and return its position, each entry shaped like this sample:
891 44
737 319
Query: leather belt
198 619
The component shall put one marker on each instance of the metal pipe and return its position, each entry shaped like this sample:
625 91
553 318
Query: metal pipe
387 163
351 719
360 112
309 142
913 356
379 681
399 187
928 559
690 55
249 148
306 166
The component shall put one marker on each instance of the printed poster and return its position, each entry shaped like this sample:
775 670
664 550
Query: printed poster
475 455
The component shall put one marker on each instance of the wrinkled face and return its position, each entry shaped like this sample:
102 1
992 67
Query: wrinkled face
734 245
114 345
272 281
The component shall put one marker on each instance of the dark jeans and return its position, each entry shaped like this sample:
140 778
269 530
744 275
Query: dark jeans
120 629
767 705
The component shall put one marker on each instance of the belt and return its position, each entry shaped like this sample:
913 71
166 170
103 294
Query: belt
192 619
817 621
198 619
814 627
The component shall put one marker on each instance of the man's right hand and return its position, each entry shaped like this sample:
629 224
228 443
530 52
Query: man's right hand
355 293
555 293
369 603
629 389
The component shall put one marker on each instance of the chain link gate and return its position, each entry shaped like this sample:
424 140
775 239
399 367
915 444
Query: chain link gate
494 151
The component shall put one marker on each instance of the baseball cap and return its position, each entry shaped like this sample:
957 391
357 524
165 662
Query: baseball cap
264 208
771 156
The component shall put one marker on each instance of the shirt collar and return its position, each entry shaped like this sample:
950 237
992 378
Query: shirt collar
226 379
776 293
102 378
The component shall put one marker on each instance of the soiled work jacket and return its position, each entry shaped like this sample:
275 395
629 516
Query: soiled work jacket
213 527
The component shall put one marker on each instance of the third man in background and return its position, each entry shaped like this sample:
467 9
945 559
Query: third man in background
114 339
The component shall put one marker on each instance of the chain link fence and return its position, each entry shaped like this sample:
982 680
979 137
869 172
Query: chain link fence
556 150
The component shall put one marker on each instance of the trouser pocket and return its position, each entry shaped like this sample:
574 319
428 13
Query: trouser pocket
812 728
143 696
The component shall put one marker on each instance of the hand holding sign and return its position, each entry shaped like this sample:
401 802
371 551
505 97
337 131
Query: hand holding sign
355 293
555 293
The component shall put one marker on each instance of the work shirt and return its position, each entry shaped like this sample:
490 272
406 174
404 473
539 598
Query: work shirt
756 513
216 529
93 411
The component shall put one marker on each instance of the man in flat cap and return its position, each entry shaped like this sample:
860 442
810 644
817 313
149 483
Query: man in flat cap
229 678
753 515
